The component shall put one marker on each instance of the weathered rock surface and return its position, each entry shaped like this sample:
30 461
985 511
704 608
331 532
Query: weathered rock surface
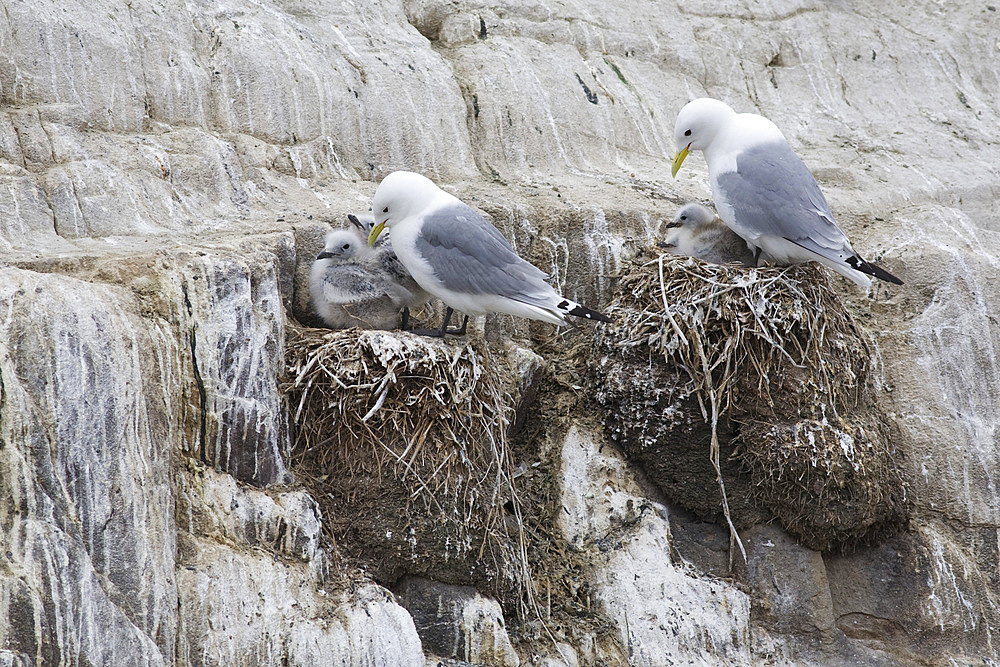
457 622
793 594
116 554
660 608
90 411
156 156
237 540
941 571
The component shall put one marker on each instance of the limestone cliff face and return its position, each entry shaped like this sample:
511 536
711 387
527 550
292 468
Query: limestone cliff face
160 160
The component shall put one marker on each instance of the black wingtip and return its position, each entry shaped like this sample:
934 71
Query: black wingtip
873 270
588 314
882 274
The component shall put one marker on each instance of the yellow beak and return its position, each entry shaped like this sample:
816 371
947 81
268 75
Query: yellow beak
373 234
678 159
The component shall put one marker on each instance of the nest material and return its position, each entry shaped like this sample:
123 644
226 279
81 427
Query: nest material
783 376
835 484
402 441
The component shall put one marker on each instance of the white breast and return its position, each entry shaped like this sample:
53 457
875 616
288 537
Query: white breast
404 236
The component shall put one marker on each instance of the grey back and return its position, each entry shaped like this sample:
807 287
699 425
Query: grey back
773 193
470 255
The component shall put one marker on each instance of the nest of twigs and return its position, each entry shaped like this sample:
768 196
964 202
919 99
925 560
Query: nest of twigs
402 441
768 367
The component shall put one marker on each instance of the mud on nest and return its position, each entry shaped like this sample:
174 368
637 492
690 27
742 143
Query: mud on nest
768 366
402 441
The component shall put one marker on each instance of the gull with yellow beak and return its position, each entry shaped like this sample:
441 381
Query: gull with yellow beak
764 192
383 260
456 255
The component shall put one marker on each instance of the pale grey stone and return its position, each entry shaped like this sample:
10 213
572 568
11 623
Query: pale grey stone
135 136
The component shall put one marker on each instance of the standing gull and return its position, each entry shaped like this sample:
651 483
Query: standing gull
764 192
456 255
350 287
696 232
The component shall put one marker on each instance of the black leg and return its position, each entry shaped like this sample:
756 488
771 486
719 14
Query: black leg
436 333
404 322
756 256
440 333
461 330
447 318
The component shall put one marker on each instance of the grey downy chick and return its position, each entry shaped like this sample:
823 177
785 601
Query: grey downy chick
697 232
349 288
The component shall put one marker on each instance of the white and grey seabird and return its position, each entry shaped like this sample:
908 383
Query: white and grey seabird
458 256
696 231
764 192
350 287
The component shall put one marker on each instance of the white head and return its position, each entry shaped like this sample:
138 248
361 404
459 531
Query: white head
342 244
692 216
400 195
683 228
697 125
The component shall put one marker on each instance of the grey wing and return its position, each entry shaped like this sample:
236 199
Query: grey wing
772 192
733 245
470 255
390 264
350 296
349 283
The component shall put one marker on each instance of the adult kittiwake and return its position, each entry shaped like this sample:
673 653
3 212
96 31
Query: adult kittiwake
350 288
455 254
697 232
764 192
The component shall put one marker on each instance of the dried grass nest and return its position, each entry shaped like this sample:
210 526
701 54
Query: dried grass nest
776 355
402 441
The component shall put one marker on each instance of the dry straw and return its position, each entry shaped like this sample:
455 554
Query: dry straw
402 440
777 351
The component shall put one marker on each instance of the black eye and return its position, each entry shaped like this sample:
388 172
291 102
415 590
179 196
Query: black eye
687 133
684 217
347 246
385 210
